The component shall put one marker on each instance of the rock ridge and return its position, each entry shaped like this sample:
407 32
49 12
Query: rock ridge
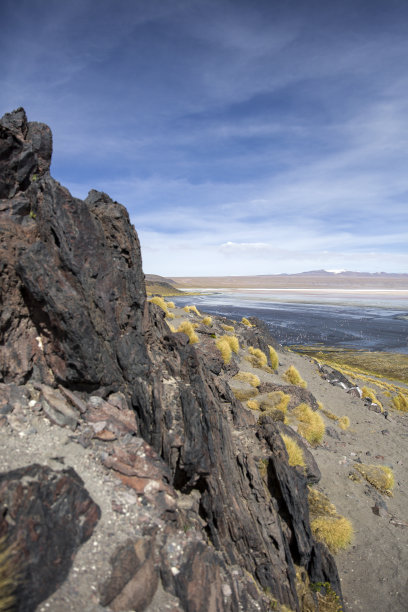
75 323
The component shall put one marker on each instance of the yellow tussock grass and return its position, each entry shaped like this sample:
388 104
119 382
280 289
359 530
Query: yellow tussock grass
257 357
294 451
293 377
192 309
279 400
244 394
159 301
311 426
336 532
207 321
246 322
400 402
343 422
228 328
380 476
273 356
8 576
172 328
188 329
367 392
170 315
253 404
170 305
320 504
232 341
252 379
224 348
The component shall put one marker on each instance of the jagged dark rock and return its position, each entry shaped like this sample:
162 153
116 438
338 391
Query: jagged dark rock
74 314
47 515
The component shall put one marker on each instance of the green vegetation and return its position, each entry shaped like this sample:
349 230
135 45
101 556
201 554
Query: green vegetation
392 366
293 377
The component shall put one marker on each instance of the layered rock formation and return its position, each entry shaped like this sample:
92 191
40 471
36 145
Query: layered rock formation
74 315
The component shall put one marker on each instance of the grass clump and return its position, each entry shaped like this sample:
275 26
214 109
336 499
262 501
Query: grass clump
7 578
246 322
380 476
244 394
257 357
170 305
293 377
400 402
370 394
343 422
207 321
192 309
159 301
273 356
334 531
252 379
311 425
187 328
294 451
327 526
279 400
253 404
228 328
226 345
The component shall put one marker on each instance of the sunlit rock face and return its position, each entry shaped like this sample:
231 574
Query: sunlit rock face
74 314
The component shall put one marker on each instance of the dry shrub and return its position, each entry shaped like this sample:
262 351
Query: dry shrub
327 526
273 356
294 451
231 341
279 400
8 577
170 305
334 531
244 394
257 357
246 322
188 329
400 402
252 379
170 315
192 309
293 377
225 349
253 404
319 504
380 476
311 426
207 321
159 301
367 392
228 328
343 422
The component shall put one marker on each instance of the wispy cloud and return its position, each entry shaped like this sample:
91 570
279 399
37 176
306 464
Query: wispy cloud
261 136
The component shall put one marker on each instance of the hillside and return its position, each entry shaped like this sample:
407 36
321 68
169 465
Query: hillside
135 475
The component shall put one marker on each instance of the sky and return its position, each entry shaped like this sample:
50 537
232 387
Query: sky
243 136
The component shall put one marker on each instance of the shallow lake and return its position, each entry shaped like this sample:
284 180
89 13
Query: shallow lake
371 320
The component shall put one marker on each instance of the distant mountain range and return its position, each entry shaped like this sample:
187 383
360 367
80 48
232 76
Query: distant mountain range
313 279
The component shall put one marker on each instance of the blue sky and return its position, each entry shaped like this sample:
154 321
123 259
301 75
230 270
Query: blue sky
243 136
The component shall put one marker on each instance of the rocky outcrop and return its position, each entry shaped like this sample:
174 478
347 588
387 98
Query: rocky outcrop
75 319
